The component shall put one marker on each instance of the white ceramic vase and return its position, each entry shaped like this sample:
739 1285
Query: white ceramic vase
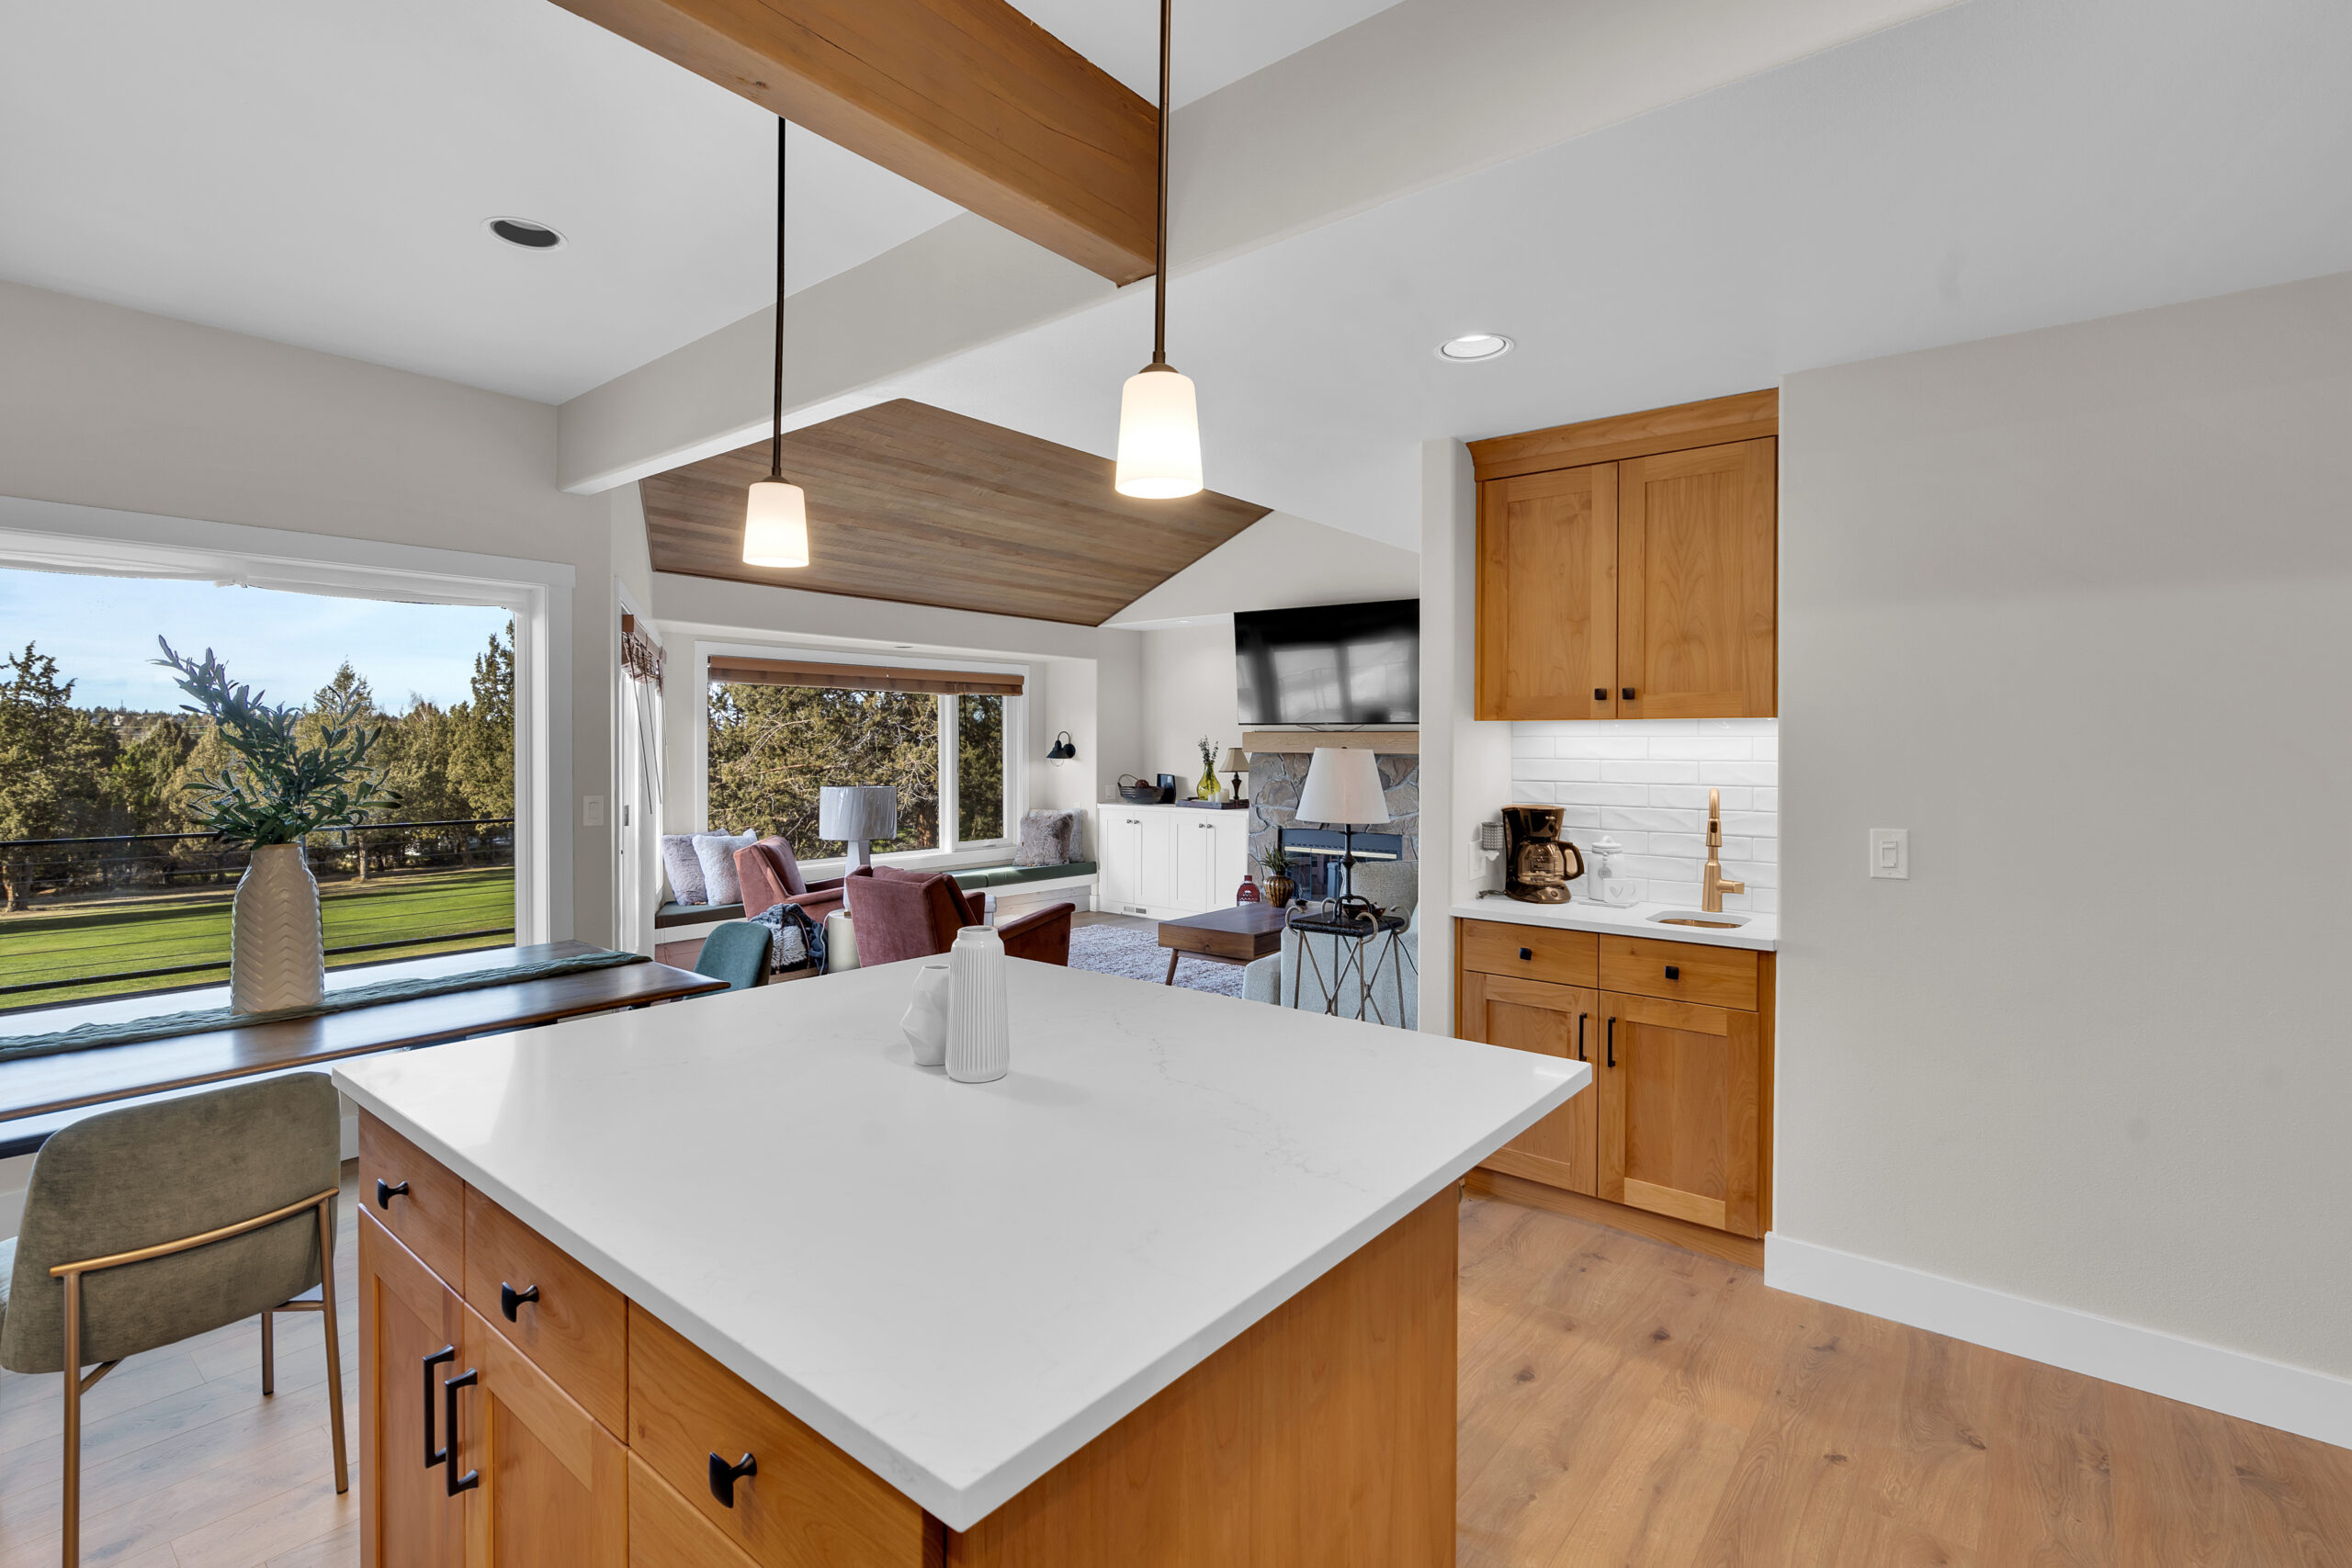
276 959
925 1025
979 1024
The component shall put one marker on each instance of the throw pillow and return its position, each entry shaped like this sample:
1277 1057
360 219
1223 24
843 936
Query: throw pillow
683 868
1046 838
716 853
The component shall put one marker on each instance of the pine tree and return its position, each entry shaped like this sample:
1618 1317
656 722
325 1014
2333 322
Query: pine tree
54 763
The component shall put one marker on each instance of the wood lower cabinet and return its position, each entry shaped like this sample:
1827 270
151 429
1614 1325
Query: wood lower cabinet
1678 1121
408 1318
553 1484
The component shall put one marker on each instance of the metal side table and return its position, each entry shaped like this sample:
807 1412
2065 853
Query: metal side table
1365 947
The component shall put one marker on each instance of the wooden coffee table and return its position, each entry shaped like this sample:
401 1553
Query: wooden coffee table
1238 935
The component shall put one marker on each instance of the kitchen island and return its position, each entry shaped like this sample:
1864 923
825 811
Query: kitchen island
735 1283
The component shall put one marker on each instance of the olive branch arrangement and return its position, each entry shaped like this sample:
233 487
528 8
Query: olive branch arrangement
284 789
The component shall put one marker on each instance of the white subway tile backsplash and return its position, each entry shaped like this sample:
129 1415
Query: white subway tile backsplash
1645 782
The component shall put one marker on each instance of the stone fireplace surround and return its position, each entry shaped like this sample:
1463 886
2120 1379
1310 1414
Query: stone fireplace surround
1276 777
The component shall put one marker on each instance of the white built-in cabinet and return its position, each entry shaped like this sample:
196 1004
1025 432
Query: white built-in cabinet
1169 861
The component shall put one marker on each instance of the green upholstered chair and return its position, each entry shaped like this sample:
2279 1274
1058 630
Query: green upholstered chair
737 953
155 1223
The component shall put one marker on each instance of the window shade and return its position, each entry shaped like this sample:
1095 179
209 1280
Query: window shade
734 671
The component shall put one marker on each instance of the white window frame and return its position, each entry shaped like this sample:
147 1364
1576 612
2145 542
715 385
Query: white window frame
47 535
952 852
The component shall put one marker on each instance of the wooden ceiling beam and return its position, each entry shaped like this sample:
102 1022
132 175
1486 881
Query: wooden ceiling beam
968 98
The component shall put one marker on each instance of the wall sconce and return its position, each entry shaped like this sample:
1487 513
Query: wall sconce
1063 750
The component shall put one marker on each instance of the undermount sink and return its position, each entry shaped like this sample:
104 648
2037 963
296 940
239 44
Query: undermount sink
1714 919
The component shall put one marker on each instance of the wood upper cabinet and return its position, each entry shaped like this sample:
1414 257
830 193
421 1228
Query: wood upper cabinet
407 1318
552 1487
1679 1110
1552 1020
1697 601
1642 587
1548 594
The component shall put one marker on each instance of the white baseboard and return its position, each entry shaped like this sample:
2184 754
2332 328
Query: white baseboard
2292 1399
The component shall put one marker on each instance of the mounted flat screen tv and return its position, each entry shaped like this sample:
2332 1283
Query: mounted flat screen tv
1330 663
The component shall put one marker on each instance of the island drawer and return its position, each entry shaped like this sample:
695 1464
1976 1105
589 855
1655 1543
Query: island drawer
1680 971
414 1196
665 1530
570 1323
1532 953
805 1504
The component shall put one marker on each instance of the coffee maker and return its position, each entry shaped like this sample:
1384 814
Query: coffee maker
1538 864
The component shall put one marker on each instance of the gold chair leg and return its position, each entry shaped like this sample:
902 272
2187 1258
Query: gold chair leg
268 1358
70 1516
334 1348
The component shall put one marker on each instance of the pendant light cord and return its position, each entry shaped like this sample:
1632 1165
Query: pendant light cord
1160 258
775 436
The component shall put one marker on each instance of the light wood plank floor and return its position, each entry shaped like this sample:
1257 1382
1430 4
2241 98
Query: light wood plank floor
1624 1404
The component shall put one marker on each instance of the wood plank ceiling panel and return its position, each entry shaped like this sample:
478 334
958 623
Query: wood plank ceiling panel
915 504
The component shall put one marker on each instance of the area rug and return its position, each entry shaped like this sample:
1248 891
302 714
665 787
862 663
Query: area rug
1134 954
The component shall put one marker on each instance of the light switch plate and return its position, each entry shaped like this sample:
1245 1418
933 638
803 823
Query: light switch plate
592 811
1891 852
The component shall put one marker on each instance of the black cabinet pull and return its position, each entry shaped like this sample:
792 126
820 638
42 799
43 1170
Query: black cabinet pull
1527 952
387 1190
509 1298
1674 971
1626 691
1601 693
723 1477
434 1456
1580 1018
450 1387
1612 1040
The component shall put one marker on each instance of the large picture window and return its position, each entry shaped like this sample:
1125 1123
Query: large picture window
780 731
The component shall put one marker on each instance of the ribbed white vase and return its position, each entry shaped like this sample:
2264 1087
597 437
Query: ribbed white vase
276 959
979 1023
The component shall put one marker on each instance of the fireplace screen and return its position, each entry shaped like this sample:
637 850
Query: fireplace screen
1315 856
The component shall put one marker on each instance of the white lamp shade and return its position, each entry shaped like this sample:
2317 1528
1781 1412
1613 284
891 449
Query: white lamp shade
1159 437
1342 787
775 524
857 813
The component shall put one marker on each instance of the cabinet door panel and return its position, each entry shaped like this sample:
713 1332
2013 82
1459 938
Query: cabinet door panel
1548 594
1196 889
554 1489
1552 1020
1679 1110
407 1519
1156 864
1697 627
1122 856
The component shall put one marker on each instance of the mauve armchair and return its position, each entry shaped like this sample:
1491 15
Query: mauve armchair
908 914
770 874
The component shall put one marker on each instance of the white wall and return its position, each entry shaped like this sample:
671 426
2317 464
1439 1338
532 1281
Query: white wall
1276 563
1188 692
115 408
2073 607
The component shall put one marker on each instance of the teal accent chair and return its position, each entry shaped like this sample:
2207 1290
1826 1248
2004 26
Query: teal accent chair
737 953
149 1224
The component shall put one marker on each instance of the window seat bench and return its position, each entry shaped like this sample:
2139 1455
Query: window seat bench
970 878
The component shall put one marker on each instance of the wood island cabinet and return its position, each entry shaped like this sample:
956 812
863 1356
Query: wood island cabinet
1644 586
1677 1122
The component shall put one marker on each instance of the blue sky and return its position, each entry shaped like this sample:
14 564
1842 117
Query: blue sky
102 630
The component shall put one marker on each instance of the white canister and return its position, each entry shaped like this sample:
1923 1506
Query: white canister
925 1025
979 1022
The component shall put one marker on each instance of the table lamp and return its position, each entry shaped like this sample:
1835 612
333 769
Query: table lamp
1236 763
857 815
1343 789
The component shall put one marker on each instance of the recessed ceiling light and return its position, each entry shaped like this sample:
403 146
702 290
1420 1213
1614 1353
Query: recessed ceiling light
524 232
1474 346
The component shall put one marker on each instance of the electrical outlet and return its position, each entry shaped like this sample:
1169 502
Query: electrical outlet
1891 852
592 811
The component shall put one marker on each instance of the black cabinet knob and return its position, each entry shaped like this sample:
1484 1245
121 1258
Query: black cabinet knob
1527 952
723 1477
387 1190
1601 693
1626 693
509 1298
1673 971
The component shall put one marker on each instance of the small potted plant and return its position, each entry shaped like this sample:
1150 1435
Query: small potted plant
1280 888
277 790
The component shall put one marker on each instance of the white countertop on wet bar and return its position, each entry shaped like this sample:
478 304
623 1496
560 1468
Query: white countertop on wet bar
961 1285
1761 932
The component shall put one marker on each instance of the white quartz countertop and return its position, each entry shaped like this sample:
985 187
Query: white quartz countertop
1761 932
961 1285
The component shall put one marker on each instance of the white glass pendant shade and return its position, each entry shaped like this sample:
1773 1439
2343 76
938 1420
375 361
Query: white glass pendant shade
775 524
1159 437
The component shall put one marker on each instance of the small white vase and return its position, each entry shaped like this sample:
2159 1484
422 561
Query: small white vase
979 1025
276 959
925 1025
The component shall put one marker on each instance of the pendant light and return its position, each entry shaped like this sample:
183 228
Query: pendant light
1159 427
775 515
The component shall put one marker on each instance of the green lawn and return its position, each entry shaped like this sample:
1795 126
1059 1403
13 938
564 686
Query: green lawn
104 940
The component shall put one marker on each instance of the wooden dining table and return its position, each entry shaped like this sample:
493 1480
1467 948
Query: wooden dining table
40 1094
